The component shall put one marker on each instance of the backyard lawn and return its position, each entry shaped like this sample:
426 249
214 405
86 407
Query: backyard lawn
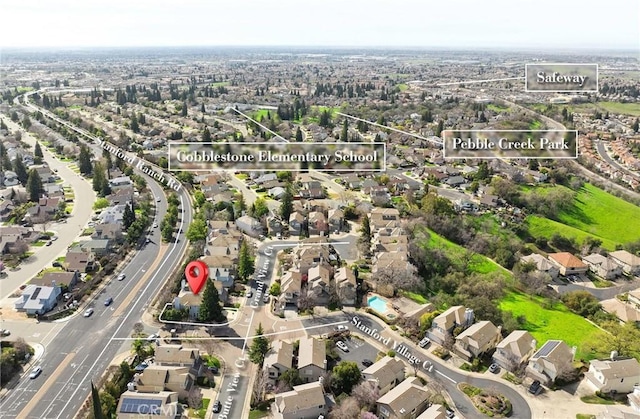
551 323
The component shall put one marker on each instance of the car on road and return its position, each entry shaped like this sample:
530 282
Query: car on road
35 372
535 387
148 240
54 238
367 362
49 243
108 301
424 342
278 236
155 225
343 346
493 368
153 337
121 277
265 299
4 332
157 199
88 312
451 414
56 264
217 406
249 294
341 328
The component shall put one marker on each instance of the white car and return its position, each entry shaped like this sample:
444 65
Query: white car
424 342
343 346
153 337
121 277
342 328
88 312
36 372
155 225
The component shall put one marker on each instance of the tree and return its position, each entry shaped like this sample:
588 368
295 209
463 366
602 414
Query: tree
275 289
97 407
259 208
166 230
344 135
291 377
99 177
128 216
21 170
345 376
197 230
37 152
365 235
259 347
393 278
299 135
134 123
582 303
210 308
34 186
184 109
206 135
348 408
245 262
636 125
84 161
622 338
367 394
286 205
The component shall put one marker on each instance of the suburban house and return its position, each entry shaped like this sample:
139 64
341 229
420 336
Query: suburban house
406 401
550 361
336 220
542 264
157 378
384 219
443 324
634 297
306 257
111 232
318 281
386 373
249 226
177 356
477 339
312 359
634 399
56 278
36 300
318 224
290 285
602 266
305 401
618 375
514 350
296 220
279 359
568 264
346 285
159 405
630 263
81 261
221 268
188 301
435 411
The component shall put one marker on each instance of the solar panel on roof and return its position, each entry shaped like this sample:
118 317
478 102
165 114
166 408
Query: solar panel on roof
141 406
547 348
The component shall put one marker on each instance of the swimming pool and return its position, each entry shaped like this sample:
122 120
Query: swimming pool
378 304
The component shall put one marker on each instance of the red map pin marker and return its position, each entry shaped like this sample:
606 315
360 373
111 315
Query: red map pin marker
197 273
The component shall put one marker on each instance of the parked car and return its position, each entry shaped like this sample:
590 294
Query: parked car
121 277
341 328
35 372
493 368
56 264
367 362
424 342
153 337
451 413
343 346
217 406
108 301
88 312
265 299
249 294
213 369
535 387
4 332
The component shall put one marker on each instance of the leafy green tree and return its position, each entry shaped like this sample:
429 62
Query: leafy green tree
84 161
206 135
210 308
345 376
259 347
21 170
128 217
275 289
298 135
200 199
344 135
245 262
37 153
259 208
34 186
623 338
197 230
99 177
97 407
365 231
286 205
291 377
134 123
166 231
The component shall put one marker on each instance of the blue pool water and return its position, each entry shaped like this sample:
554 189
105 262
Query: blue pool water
378 304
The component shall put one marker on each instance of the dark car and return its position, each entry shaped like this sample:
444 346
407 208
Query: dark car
217 406
535 387
108 301
493 368
213 369
367 362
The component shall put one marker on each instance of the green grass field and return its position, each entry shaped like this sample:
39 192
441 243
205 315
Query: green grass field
402 86
535 124
498 108
554 323
596 213
479 264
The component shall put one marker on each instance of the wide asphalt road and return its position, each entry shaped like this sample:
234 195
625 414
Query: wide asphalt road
86 345
442 373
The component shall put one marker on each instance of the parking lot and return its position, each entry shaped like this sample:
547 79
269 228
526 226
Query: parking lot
359 350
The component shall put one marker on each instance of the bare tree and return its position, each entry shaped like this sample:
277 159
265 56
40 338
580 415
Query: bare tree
194 398
259 387
138 328
448 342
348 409
396 277
366 393
567 372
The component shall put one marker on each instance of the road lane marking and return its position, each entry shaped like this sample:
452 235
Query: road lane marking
41 392
447 377
140 283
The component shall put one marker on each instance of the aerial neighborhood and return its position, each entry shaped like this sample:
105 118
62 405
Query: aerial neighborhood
422 287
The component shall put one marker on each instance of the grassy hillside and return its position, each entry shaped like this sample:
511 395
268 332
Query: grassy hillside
596 213
551 323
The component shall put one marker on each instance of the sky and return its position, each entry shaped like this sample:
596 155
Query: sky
545 24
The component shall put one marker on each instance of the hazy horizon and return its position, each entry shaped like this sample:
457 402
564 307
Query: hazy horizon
403 24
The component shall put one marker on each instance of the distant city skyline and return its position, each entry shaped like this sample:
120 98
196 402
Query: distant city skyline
542 24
